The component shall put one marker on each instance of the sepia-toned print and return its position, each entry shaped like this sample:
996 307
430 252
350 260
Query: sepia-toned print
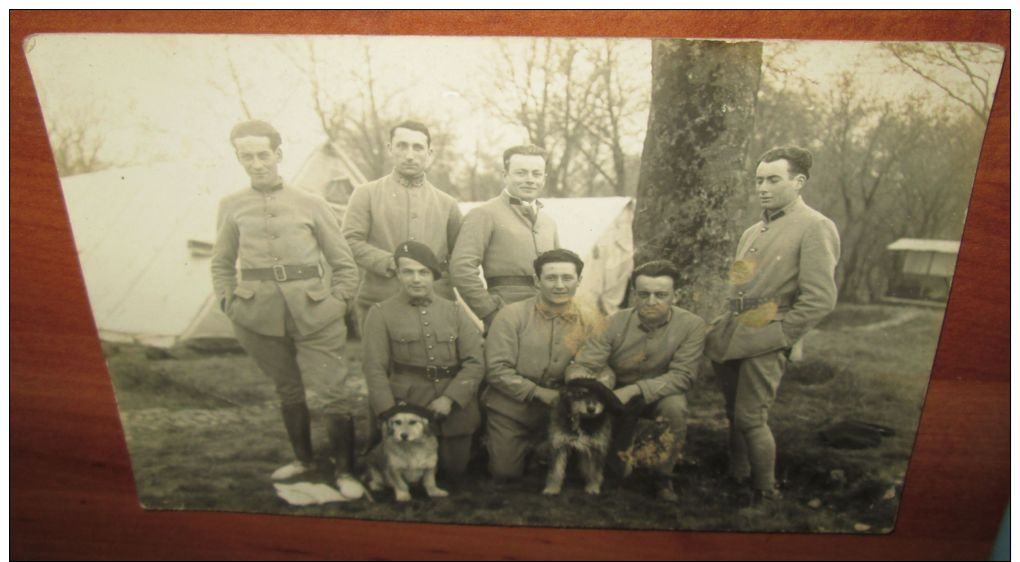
619 283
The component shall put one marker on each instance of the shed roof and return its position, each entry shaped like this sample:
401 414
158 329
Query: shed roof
925 245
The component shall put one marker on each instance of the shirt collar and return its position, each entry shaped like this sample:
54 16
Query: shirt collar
568 314
536 204
401 180
275 187
647 328
776 215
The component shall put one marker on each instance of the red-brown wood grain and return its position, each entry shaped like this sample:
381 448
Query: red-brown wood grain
72 493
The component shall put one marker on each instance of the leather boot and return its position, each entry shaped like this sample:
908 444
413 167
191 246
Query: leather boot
340 429
297 420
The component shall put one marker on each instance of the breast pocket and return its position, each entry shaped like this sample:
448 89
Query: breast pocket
407 346
446 348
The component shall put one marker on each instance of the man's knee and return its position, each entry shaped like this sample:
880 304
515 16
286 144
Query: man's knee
290 393
674 409
749 419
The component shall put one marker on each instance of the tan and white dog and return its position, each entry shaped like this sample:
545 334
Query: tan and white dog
408 454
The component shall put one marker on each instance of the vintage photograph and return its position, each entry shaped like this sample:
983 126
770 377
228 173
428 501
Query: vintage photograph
677 284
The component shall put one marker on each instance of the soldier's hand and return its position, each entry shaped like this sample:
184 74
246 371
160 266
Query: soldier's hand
627 393
441 406
546 396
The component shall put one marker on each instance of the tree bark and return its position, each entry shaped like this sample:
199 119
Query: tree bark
693 179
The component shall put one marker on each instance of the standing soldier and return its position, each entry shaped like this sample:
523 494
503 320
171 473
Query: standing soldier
653 349
286 316
425 350
401 206
782 284
504 236
527 350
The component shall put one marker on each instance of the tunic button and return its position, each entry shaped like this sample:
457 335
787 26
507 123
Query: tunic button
740 293
426 323
276 259
764 229
430 347
424 311
754 250
432 358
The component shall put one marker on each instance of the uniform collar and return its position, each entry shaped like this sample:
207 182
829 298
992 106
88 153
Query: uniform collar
411 183
417 301
275 187
776 215
648 328
568 313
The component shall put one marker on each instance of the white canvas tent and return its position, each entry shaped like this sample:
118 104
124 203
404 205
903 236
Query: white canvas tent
144 237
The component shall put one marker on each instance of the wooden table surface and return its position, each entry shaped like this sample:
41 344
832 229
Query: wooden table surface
72 493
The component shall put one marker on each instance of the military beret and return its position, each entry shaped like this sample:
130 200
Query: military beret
405 408
420 253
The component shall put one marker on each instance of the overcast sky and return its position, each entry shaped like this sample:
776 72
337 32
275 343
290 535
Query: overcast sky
174 92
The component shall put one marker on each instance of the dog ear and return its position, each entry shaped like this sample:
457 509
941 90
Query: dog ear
388 427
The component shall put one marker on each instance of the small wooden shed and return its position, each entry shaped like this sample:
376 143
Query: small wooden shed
924 269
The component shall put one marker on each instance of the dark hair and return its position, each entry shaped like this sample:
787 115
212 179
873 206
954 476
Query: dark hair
798 159
523 150
256 128
657 268
413 126
559 255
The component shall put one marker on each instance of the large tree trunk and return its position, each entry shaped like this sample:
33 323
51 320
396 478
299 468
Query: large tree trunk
693 178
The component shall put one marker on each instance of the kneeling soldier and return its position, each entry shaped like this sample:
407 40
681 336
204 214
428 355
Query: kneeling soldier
425 350
529 346
654 349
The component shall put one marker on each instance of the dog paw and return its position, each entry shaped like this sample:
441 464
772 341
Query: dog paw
593 489
437 493
403 496
551 491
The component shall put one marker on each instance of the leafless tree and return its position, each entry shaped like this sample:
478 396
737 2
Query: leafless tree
966 72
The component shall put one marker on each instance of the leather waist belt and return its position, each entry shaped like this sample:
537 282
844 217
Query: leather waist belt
744 304
507 280
282 273
431 372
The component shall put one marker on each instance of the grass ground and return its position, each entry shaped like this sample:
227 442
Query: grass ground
204 433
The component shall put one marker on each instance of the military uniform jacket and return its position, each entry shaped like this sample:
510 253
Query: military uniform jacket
439 333
529 346
384 213
498 236
660 360
788 261
280 226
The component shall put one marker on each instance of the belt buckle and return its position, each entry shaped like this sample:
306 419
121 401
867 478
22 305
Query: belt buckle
432 373
279 273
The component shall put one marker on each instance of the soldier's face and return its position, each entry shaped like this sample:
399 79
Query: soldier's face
410 152
776 186
260 162
416 279
653 297
558 282
525 176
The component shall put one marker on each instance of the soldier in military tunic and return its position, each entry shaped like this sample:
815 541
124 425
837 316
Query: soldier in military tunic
782 283
503 236
422 349
285 314
653 349
527 350
403 205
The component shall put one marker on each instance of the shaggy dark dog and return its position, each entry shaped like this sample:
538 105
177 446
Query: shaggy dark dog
580 422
